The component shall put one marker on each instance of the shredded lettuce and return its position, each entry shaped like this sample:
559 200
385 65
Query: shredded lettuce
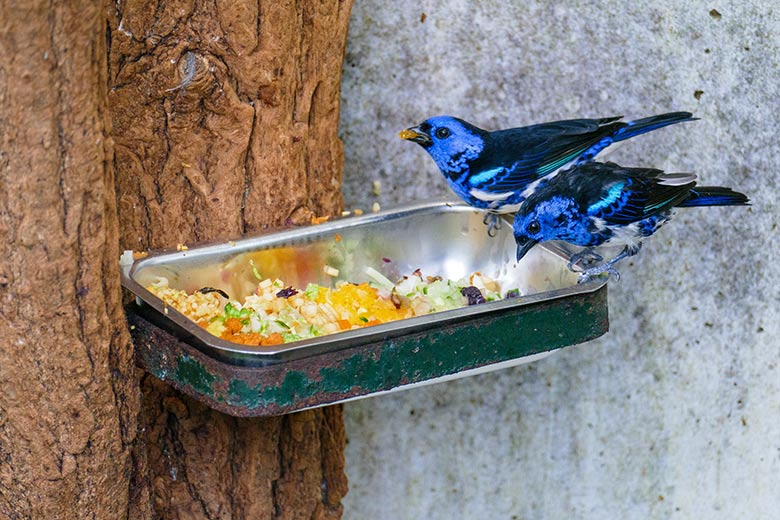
254 270
289 336
233 312
282 324
257 325
312 291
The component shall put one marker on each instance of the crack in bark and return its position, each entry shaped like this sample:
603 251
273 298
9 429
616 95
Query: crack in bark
248 164
166 155
61 151
173 437
233 469
258 30
284 432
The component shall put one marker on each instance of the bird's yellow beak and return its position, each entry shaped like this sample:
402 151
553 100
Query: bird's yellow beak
415 134
408 134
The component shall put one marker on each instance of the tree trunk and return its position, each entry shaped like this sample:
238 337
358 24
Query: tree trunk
225 121
224 116
69 397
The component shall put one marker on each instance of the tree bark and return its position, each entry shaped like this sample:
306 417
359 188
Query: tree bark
69 397
225 116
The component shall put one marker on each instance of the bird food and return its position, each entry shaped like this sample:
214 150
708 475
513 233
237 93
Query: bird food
278 313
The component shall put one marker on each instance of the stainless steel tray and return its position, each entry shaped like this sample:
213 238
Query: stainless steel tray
439 237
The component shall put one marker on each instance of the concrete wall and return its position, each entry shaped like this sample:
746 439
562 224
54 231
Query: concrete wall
676 412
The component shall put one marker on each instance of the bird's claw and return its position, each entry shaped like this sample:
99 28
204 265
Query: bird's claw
586 258
493 222
593 272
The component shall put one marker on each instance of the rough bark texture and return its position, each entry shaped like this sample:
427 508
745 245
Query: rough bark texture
225 116
228 109
69 397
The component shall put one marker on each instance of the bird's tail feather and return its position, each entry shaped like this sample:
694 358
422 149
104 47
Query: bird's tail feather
607 120
648 124
714 196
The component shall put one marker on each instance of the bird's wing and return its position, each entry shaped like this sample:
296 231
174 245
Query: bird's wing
519 156
632 199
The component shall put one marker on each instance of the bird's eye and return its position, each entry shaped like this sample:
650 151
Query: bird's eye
533 227
443 132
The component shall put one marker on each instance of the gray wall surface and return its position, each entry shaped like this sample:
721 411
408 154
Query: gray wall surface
675 413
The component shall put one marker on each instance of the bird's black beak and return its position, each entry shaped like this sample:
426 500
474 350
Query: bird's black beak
417 135
523 246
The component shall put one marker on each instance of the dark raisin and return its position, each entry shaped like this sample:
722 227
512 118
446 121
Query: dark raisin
473 294
206 290
286 292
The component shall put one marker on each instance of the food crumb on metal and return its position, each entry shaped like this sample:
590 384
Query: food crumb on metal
181 247
127 257
357 211
376 187
319 220
375 207
346 213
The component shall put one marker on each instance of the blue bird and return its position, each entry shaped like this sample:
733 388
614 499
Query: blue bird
603 204
496 171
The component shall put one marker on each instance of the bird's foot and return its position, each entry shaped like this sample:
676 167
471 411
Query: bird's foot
586 258
493 222
594 272
606 267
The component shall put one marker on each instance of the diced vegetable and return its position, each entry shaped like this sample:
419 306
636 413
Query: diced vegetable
380 279
278 313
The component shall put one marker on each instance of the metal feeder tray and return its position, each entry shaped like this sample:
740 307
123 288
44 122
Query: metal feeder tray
441 238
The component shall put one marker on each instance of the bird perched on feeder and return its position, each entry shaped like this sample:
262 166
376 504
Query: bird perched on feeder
496 171
603 204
